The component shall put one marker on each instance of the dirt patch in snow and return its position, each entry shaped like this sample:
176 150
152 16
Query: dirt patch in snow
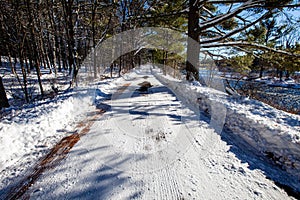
54 157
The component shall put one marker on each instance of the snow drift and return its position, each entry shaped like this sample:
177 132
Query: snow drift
39 126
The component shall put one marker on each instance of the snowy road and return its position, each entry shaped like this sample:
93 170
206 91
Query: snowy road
150 146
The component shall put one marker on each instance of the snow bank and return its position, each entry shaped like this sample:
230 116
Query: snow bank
269 131
39 126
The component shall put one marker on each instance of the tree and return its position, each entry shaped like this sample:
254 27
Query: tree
48 34
63 33
214 24
246 14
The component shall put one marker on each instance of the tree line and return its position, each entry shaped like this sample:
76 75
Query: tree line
58 35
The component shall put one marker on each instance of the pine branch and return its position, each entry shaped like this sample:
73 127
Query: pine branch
266 15
249 44
218 19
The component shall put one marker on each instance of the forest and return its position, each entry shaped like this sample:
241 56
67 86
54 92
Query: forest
56 36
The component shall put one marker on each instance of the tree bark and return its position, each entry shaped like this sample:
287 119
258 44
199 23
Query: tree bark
193 47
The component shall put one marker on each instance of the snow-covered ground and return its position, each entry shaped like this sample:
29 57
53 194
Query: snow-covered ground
150 145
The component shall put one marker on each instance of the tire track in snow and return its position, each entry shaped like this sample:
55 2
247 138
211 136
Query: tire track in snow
146 113
167 182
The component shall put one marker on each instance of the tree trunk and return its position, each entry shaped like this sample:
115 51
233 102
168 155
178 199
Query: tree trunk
111 70
193 47
94 39
120 65
95 62
261 71
35 50
13 70
3 99
58 53
25 90
131 60
165 58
